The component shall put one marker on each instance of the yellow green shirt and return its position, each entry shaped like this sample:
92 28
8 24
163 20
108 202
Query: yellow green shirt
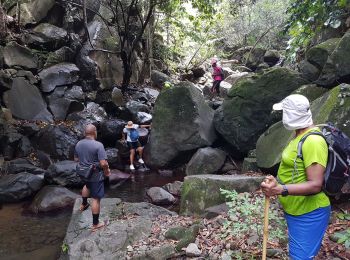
315 150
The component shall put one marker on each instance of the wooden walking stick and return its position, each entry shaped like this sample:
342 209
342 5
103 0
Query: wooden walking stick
266 224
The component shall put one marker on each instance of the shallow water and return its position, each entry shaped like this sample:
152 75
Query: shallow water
30 237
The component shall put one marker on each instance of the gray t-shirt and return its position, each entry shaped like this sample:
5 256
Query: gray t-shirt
90 152
127 132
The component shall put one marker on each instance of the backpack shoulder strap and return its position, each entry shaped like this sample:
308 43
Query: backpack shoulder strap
301 142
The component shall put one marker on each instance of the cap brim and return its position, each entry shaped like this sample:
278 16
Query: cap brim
277 106
129 126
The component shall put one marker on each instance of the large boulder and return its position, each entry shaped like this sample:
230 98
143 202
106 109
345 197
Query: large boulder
233 78
309 71
17 55
15 187
206 161
64 174
254 58
333 106
58 75
58 141
182 123
21 165
25 101
246 114
158 78
271 57
114 159
337 68
134 107
52 198
105 244
159 196
93 113
319 54
202 191
64 54
110 131
52 35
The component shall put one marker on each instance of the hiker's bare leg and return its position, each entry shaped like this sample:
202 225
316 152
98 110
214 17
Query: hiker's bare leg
95 207
132 156
140 150
85 193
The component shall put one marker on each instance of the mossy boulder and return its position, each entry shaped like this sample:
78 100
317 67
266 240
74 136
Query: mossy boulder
246 113
318 54
203 191
311 91
254 57
182 123
337 68
185 235
333 106
18 55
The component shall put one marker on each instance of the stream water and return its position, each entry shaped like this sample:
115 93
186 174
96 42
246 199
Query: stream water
30 237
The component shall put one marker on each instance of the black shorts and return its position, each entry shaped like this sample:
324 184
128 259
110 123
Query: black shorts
97 189
134 145
216 86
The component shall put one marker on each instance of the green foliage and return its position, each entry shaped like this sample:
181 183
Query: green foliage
307 18
246 219
64 248
345 239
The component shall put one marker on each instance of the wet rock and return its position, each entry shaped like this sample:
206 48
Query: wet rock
113 158
25 101
64 174
105 244
184 106
15 187
215 211
58 75
158 78
193 251
206 161
51 198
174 188
21 165
271 57
52 35
246 113
110 131
117 176
203 191
58 141
17 55
143 118
160 196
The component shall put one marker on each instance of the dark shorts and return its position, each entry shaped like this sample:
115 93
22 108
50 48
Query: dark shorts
134 145
216 86
97 189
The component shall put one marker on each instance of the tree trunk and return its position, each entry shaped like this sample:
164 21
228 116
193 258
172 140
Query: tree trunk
127 71
3 27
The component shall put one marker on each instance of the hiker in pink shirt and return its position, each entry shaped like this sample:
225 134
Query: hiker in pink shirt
217 75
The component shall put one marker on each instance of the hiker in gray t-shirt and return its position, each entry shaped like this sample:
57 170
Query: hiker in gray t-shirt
91 152
131 135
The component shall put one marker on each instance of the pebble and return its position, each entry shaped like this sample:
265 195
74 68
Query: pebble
129 248
192 250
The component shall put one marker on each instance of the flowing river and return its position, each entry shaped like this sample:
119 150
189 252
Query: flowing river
27 236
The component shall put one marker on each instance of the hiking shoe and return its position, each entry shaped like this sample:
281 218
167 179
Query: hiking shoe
132 167
141 161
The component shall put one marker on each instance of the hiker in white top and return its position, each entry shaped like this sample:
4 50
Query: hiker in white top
131 135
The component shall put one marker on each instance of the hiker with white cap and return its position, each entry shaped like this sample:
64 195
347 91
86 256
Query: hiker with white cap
299 180
131 135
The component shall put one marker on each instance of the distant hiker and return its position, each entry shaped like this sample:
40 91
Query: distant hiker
217 75
92 158
131 135
299 180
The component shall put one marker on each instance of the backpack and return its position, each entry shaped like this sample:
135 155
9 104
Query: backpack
134 135
338 165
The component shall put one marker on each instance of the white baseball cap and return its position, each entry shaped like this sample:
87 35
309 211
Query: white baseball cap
296 112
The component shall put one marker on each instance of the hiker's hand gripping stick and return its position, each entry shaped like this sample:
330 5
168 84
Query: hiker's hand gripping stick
266 182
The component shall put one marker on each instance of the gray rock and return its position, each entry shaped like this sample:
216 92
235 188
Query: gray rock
249 165
58 141
143 118
309 71
21 165
52 35
58 75
184 106
113 158
206 161
52 198
64 54
271 57
198 72
160 196
24 147
233 78
215 211
246 113
25 101
64 174
192 250
15 187
254 58
17 55
174 188
110 131
203 191
318 55
105 244
117 97
134 107
75 93
93 113
5 80
158 78
153 93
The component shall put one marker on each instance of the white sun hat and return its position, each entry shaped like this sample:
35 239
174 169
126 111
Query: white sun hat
296 112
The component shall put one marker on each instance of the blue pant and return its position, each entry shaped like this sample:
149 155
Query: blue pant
306 232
